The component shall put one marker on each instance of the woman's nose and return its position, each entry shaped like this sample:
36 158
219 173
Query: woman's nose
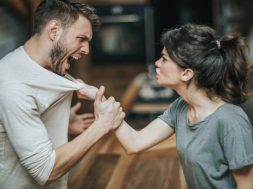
157 63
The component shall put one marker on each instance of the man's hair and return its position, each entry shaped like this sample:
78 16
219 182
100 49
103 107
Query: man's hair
66 11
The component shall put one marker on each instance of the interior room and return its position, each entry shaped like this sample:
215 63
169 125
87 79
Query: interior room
122 56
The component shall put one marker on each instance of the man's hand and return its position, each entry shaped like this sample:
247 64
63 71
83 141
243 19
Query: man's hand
78 123
108 111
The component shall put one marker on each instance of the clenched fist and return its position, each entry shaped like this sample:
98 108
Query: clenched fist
108 111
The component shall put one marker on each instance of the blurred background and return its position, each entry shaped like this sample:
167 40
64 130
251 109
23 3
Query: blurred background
124 50
122 56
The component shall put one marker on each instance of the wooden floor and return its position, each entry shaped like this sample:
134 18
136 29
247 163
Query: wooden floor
107 166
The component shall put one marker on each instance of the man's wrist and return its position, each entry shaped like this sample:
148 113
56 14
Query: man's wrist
102 125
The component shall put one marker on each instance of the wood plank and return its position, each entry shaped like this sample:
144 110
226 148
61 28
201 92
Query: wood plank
107 143
100 172
147 170
122 171
156 169
81 169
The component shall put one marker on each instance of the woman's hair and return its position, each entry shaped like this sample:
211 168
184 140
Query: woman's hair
219 63
66 11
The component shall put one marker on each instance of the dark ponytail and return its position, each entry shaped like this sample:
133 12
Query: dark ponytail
236 69
219 64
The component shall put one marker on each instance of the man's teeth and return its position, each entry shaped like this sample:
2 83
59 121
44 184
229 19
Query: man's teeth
76 58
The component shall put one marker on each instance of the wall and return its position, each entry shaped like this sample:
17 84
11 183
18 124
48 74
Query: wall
115 1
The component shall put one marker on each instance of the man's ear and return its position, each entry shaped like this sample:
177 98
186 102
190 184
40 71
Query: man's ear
187 74
54 30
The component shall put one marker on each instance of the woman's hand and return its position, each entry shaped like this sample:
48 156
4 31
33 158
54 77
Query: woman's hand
88 92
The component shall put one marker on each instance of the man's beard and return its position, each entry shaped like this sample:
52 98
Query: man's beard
57 54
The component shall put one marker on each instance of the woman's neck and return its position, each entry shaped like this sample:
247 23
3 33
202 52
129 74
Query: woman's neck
200 105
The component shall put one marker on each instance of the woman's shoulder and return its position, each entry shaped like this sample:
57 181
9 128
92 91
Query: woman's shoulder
232 117
231 111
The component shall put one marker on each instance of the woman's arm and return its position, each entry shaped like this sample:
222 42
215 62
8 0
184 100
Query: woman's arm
244 177
87 92
134 141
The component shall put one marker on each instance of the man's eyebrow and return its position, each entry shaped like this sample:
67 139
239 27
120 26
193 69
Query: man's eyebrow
84 37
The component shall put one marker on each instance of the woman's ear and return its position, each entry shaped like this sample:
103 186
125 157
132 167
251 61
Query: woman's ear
187 74
54 30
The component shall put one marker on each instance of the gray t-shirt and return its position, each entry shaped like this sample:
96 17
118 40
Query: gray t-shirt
210 149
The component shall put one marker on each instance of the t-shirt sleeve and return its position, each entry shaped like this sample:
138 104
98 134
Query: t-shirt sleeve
170 115
27 133
238 140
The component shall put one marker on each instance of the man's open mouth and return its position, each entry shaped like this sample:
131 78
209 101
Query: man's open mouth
72 59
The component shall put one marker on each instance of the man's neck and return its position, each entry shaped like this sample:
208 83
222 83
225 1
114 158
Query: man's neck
38 50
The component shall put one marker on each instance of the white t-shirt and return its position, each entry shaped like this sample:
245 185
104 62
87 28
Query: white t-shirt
34 117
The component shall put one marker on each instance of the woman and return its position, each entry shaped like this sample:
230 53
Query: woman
213 134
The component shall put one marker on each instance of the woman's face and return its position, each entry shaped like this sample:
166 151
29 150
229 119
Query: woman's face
168 73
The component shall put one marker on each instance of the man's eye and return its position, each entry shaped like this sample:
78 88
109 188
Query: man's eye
81 39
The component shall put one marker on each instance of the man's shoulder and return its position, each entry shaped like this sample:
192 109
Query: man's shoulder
13 55
16 97
12 67
13 90
10 62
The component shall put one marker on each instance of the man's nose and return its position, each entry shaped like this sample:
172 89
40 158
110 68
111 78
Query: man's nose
85 49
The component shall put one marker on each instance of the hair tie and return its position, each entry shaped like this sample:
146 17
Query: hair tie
218 44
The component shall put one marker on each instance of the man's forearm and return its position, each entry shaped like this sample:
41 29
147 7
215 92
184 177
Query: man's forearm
70 153
109 115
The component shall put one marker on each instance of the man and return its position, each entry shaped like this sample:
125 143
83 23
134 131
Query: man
35 99
14 33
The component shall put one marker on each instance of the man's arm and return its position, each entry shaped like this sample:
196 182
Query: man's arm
70 153
134 141
29 138
109 115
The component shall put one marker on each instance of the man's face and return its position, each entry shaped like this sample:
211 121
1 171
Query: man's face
72 44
